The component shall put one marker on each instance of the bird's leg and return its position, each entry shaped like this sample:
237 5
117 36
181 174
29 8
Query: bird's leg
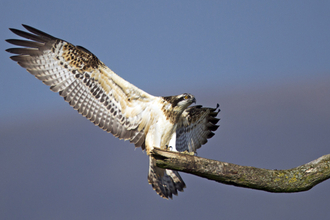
171 144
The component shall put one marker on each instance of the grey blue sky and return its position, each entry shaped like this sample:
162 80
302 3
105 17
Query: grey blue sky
265 62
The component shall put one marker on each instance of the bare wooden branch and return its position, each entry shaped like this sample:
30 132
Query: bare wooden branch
297 179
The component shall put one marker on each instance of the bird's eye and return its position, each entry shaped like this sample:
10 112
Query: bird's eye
186 97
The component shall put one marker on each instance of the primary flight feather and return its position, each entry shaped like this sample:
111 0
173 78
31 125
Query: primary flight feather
114 104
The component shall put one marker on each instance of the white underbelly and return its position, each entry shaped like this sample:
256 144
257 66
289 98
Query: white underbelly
161 134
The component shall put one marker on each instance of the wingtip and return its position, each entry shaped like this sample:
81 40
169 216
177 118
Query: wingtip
214 120
218 107
10 50
210 135
213 127
27 27
14 30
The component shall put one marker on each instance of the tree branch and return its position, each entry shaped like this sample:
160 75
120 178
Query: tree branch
297 179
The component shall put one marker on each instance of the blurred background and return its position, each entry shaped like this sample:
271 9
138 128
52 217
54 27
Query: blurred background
265 62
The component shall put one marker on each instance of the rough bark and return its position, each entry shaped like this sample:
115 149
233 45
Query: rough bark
297 179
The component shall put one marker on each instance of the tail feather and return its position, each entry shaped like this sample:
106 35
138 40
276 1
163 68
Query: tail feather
165 182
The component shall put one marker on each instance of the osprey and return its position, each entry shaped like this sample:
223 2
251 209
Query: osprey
115 105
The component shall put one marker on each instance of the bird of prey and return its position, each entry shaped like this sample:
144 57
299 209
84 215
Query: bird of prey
116 105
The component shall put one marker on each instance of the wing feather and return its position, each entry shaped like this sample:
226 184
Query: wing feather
24 43
85 83
196 125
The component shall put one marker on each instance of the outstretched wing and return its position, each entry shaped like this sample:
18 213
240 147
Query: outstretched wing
85 82
195 127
